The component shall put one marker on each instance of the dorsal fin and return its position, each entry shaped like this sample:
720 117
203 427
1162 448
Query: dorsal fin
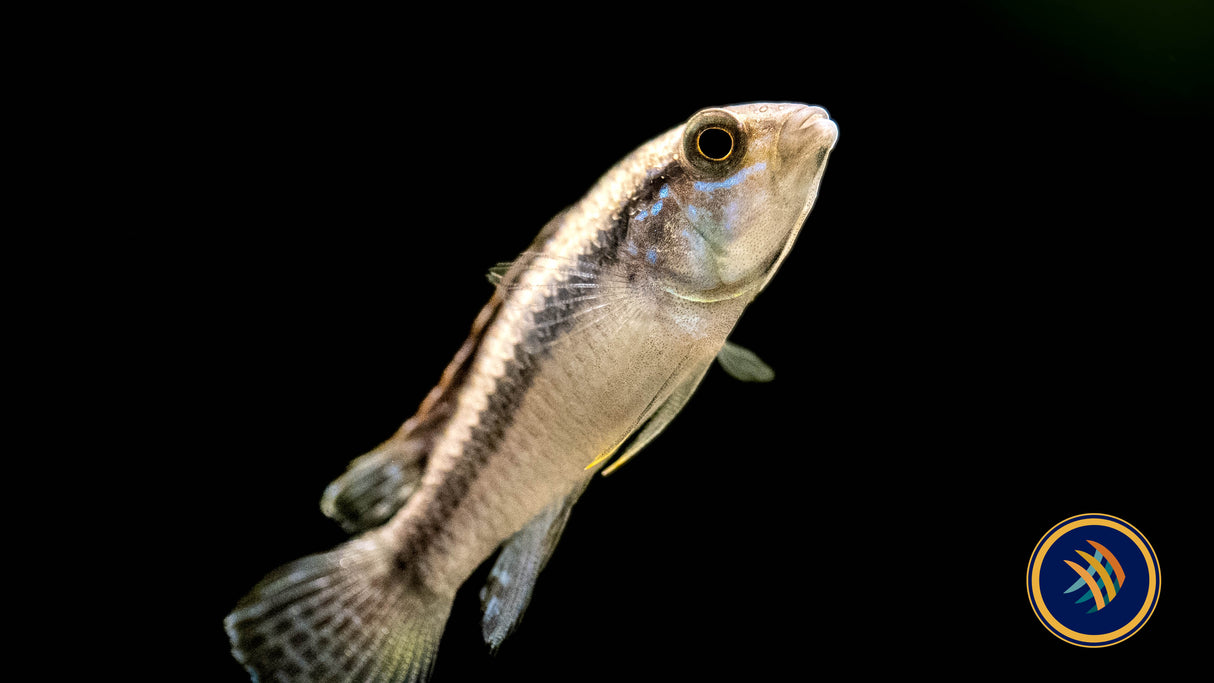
377 484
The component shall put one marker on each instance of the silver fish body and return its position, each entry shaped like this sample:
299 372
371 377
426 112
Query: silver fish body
592 342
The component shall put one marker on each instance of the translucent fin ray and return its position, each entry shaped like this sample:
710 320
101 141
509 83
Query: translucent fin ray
506 594
348 614
662 417
376 485
379 483
498 270
743 364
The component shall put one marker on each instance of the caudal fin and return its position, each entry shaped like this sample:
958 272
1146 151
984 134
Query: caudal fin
350 614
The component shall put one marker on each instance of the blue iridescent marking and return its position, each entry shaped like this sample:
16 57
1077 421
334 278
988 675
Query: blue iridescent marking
651 255
732 180
493 608
662 193
642 215
656 207
731 215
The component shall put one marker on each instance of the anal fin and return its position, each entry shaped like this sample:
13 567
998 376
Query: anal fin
506 594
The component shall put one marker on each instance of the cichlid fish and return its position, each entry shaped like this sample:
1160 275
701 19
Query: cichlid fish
593 340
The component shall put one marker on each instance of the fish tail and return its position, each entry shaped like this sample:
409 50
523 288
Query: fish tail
351 614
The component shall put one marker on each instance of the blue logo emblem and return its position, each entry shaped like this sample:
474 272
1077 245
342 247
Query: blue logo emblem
1093 580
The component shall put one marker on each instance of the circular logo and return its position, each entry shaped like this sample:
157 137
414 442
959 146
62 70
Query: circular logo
1093 580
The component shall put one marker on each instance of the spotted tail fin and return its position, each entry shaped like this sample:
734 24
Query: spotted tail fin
351 614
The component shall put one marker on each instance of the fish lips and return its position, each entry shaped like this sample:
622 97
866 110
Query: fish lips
807 132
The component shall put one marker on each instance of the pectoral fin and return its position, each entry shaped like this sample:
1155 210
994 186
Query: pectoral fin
508 590
743 364
499 270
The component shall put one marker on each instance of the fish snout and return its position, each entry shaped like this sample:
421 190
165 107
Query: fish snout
807 130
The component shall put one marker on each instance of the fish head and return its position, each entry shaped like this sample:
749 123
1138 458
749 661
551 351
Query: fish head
743 181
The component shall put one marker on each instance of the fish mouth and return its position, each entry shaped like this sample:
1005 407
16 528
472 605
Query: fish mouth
807 131
805 140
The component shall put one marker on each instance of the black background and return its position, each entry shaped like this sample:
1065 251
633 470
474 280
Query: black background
988 325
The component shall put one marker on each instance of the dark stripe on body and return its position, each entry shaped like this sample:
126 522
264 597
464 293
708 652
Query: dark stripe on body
556 317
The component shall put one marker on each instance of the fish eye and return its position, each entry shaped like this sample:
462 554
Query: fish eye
714 142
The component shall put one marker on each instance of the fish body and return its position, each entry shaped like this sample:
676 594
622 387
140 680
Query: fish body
592 342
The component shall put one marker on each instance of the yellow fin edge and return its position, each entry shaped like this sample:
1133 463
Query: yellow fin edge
607 454
616 465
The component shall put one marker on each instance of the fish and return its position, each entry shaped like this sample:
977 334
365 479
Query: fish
593 340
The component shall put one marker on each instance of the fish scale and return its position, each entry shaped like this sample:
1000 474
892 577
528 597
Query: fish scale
593 341
501 499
